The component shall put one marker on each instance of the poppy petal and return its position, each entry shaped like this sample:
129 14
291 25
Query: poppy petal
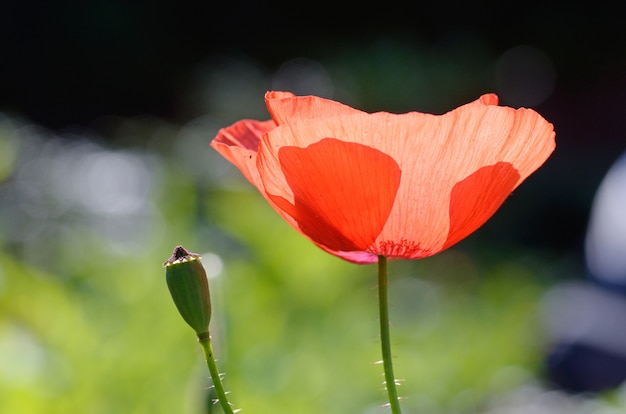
284 107
342 192
488 99
435 153
239 144
453 171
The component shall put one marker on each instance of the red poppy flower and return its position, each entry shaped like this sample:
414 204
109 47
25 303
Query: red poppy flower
404 186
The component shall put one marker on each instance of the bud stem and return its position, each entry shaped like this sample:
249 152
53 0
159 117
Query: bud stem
205 342
383 307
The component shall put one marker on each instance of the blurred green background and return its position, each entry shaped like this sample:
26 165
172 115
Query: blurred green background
106 113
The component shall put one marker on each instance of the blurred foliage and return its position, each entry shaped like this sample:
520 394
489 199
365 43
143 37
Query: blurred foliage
296 329
87 324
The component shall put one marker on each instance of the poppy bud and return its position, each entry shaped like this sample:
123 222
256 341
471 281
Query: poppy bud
188 285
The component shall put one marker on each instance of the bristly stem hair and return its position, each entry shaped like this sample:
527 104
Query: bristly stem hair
205 342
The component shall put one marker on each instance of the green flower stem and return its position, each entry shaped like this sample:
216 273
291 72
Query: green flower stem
205 342
383 306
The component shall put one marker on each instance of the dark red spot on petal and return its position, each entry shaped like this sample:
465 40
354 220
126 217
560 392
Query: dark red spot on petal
343 192
476 198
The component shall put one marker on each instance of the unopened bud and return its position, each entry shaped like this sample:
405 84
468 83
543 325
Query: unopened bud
189 287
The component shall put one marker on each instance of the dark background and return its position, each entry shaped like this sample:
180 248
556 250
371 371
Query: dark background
67 63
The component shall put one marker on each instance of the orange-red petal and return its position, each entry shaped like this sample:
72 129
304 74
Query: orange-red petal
284 107
403 186
434 153
239 144
431 212
342 191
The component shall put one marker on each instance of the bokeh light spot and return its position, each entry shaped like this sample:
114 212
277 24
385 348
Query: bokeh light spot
525 76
